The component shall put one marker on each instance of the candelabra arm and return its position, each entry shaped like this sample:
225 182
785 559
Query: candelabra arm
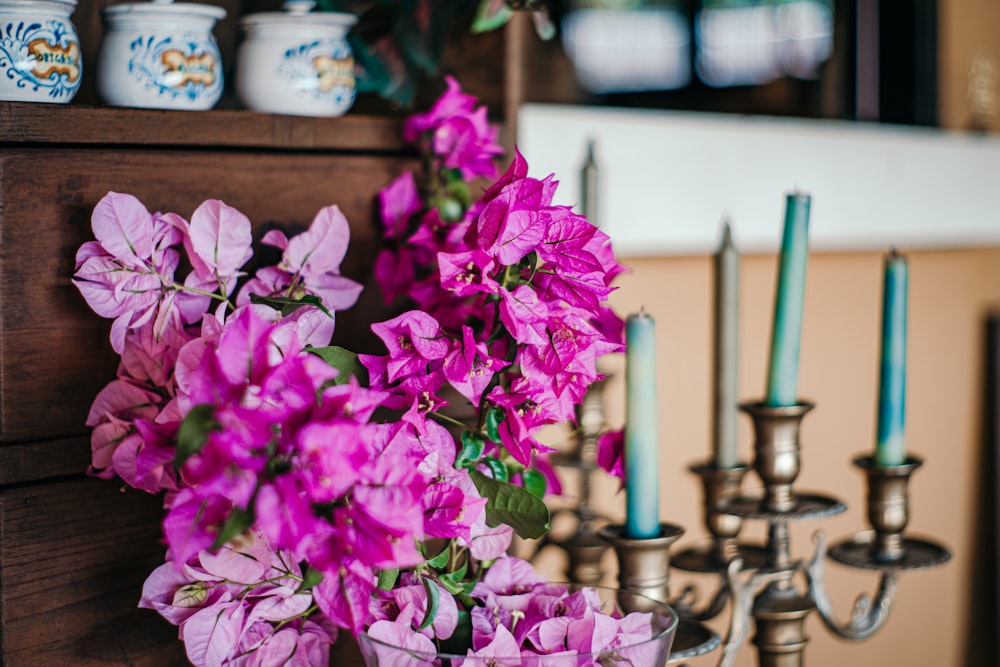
868 615
684 604
743 595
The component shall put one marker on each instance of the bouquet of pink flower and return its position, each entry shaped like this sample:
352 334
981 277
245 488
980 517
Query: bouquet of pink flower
309 489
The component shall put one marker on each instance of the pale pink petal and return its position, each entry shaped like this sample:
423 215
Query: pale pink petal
321 248
123 226
220 238
211 634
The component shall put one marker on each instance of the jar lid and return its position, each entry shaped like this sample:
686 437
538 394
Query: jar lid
31 4
299 12
162 8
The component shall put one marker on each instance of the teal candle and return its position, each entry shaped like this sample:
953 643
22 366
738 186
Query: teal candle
642 489
727 291
786 335
890 446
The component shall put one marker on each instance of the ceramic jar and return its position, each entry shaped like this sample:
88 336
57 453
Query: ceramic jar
39 51
160 55
296 62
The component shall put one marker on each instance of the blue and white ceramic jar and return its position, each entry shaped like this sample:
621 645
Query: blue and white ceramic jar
39 51
296 62
160 55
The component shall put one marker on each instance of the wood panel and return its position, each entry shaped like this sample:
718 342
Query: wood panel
54 353
22 122
74 556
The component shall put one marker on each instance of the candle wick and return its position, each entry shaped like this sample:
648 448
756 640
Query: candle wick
893 253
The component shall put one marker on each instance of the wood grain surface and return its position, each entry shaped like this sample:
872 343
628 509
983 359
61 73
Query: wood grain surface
54 352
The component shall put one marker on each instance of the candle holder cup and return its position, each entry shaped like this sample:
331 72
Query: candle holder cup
888 505
885 547
644 563
776 450
644 568
719 485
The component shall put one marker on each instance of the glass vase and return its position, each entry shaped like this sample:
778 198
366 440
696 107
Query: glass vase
651 652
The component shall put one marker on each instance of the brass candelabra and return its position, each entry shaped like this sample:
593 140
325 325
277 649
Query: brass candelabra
757 583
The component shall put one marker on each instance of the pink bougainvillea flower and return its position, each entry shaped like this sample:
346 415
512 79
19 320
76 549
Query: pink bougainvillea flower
192 522
525 315
394 272
469 368
509 226
310 261
460 132
218 243
413 339
398 202
467 142
262 645
211 634
497 647
344 593
467 273
124 228
610 453
399 645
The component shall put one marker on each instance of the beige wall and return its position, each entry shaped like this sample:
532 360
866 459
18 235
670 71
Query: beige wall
950 293
966 28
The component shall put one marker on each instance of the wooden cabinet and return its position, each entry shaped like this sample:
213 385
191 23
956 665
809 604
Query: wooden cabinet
74 550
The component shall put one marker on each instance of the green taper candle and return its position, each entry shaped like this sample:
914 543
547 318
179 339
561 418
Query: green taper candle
642 483
786 335
890 446
727 296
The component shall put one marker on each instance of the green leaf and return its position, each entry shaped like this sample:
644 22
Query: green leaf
512 505
450 585
496 467
287 306
534 482
345 361
472 450
461 639
387 578
433 600
237 523
441 560
490 15
493 418
310 579
193 433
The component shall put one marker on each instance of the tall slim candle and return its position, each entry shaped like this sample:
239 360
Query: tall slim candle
727 288
890 445
642 489
588 187
783 370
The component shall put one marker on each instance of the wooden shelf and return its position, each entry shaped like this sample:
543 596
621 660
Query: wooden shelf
71 124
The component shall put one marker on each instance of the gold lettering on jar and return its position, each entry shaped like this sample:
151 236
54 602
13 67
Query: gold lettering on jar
333 72
181 69
54 60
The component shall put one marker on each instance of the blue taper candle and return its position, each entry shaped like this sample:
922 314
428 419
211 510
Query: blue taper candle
786 335
890 446
642 488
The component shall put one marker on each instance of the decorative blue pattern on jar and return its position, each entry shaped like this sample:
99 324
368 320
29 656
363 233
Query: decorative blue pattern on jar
183 66
323 70
296 62
161 55
39 52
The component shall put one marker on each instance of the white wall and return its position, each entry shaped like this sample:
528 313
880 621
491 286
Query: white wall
668 179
